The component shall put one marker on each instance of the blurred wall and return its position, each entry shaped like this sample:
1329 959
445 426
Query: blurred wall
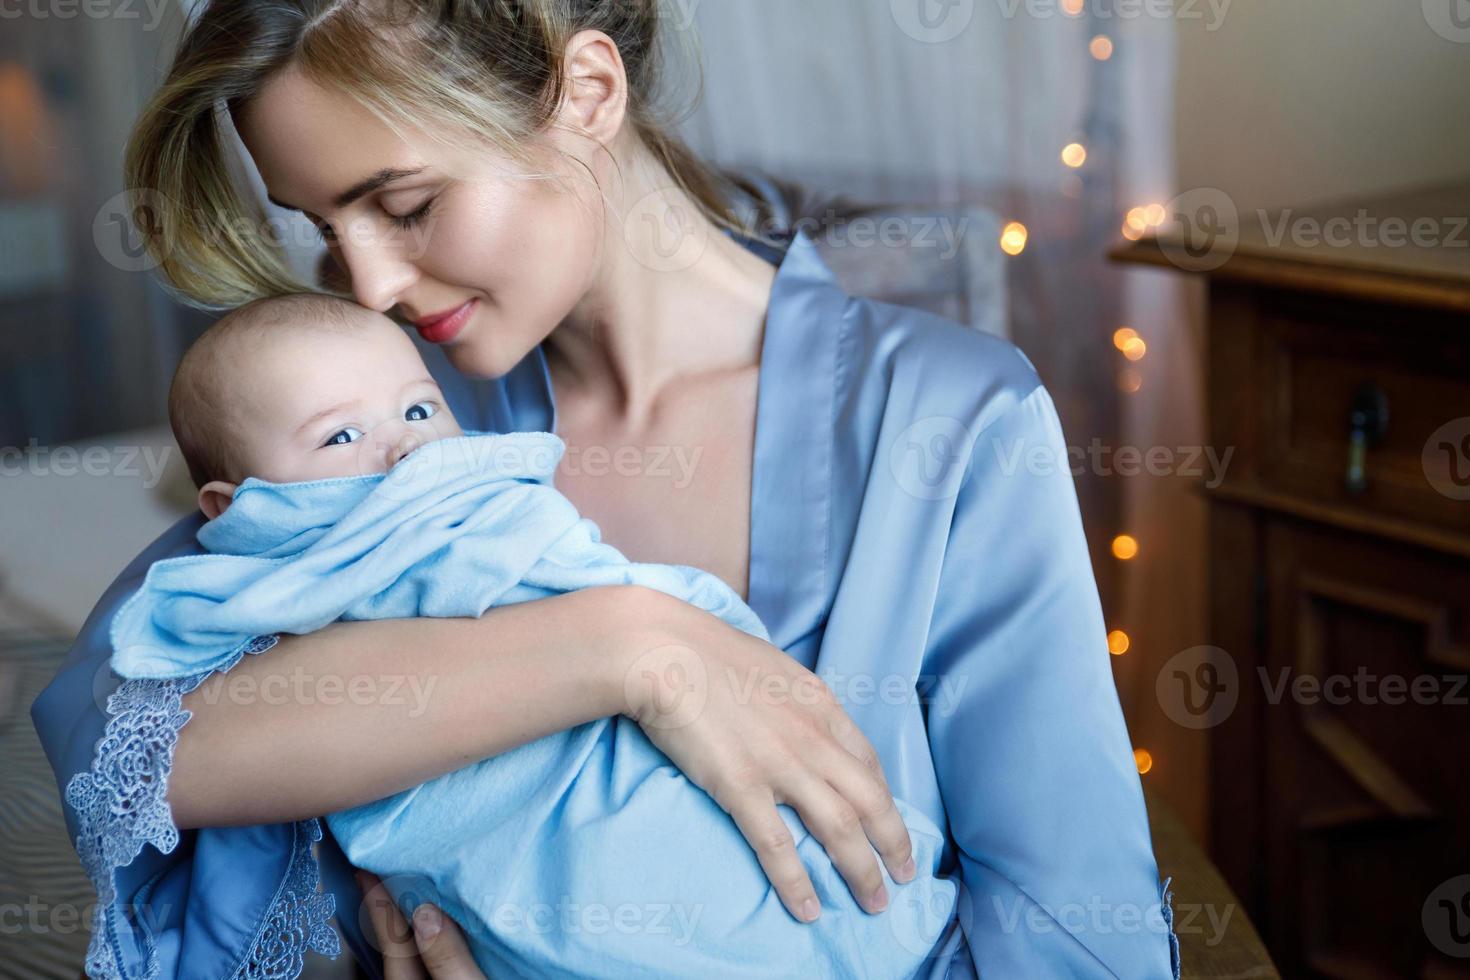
1291 102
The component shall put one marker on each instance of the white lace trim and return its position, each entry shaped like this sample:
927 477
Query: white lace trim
121 804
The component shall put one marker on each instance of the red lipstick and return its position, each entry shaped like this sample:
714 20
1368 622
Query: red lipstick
441 328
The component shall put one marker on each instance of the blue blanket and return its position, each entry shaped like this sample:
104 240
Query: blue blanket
583 854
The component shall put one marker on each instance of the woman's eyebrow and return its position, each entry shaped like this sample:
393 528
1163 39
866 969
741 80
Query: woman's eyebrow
380 179
363 187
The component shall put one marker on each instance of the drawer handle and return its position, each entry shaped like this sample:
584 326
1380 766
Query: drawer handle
1367 423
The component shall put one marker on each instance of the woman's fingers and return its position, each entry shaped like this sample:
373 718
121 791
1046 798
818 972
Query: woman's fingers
833 822
865 790
433 949
755 814
446 954
395 939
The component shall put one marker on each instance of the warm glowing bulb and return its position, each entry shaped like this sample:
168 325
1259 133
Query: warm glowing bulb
1125 546
1122 335
1137 219
1013 238
1072 8
1129 381
1074 155
1134 349
1131 233
1101 47
1118 643
1144 760
1155 214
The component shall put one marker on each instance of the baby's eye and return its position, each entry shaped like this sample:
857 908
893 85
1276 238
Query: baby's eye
420 412
344 437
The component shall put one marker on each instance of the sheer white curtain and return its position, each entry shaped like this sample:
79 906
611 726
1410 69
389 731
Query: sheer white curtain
971 103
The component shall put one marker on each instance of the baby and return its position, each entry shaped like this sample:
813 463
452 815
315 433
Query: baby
339 486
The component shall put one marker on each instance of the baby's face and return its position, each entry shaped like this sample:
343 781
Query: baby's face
327 403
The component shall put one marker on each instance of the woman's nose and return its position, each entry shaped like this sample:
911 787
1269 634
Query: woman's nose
376 267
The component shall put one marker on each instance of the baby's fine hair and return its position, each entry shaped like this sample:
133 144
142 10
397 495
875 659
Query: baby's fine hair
205 385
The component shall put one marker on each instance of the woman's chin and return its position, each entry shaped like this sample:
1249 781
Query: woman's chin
482 360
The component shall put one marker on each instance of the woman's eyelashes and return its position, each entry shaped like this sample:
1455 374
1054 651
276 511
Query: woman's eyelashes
323 229
413 218
405 222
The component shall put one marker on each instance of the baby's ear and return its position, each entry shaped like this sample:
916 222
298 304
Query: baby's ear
215 497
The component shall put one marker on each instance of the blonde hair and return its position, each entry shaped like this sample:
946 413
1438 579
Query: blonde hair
488 69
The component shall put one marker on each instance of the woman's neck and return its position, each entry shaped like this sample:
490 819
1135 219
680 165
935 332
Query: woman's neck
674 298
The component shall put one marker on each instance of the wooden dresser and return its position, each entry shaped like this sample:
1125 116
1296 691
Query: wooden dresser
1338 370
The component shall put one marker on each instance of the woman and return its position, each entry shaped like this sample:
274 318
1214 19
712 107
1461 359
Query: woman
866 476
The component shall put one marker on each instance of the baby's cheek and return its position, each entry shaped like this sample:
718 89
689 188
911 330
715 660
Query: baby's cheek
447 426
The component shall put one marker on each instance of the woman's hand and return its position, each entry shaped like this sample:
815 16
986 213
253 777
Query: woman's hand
433 948
754 729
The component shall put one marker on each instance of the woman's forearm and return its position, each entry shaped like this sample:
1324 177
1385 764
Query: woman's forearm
358 711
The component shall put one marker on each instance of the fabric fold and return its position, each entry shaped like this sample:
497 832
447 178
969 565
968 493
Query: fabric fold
456 527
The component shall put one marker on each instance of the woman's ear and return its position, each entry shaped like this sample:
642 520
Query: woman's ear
215 497
596 99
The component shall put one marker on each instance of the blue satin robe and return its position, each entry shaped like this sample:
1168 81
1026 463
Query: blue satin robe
915 540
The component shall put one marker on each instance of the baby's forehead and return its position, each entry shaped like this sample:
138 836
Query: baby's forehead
284 341
304 313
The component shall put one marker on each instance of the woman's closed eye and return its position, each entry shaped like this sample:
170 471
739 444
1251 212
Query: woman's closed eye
421 412
323 229
407 221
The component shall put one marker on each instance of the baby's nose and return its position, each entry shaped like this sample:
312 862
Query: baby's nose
401 447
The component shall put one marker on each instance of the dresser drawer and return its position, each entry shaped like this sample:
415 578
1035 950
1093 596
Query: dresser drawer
1319 362
1365 697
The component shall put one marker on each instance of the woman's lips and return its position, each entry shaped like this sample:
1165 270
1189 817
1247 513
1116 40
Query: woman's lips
441 328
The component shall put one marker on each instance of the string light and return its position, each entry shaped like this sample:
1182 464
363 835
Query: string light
1140 219
1144 760
1074 155
1101 47
1129 381
1125 547
1135 348
1072 8
1118 643
1122 335
1013 238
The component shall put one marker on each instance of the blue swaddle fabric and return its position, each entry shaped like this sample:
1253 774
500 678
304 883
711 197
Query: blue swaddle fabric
458 526
583 854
